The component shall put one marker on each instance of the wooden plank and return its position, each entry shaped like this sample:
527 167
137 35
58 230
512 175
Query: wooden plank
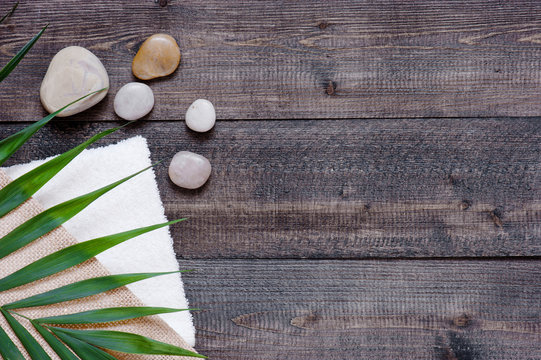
298 58
344 189
300 309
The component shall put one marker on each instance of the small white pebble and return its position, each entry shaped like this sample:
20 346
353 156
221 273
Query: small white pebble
189 170
201 116
133 101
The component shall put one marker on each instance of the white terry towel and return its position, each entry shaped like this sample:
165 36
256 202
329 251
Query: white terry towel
133 204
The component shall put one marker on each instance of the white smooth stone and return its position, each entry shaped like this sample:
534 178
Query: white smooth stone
73 72
201 116
189 170
133 101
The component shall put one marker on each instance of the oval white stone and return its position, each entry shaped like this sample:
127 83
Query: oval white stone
133 101
189 170
73 72
201 116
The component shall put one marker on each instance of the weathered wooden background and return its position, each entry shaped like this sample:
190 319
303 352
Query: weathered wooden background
376 190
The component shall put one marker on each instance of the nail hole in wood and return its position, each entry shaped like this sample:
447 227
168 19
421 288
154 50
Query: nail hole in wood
496 217
462 320
331 88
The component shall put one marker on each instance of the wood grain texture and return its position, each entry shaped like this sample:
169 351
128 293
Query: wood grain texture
344 189
296 59
300 309
403 185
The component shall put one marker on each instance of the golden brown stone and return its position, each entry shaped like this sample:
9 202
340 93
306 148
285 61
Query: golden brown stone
158 56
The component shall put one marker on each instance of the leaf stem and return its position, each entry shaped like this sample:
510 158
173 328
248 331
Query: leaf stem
21 315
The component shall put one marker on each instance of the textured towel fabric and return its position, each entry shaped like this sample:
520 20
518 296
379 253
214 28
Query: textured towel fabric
152 326
135 203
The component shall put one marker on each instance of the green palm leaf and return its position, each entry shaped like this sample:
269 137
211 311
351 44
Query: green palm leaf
71 256
82 289
19 190
10 144
125 342
84 350
83 343
9 12
19 56
60 349
8 349
107 315
30 344
50 219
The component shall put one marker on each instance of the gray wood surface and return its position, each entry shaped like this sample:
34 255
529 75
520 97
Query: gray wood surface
297 59
344 189
290 309
408 131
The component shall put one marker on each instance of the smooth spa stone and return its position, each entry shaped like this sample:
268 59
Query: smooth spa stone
73 72
158 56
201 116
189 170
133 101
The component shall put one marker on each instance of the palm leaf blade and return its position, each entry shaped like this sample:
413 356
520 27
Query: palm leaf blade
19 190
107 315
83 349
30 344
86 344
71 256
9 12
19 56
8 349
125 342
81 289
50 219
60 349
10 144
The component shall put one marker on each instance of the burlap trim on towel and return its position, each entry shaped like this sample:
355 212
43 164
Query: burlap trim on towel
59 238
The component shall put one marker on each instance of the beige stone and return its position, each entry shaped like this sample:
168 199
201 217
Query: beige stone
189 170
73 72
158 56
